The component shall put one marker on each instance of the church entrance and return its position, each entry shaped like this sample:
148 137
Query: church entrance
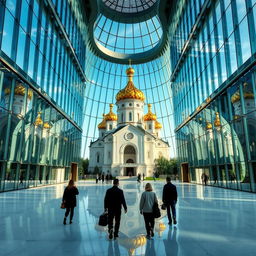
129 171
129 160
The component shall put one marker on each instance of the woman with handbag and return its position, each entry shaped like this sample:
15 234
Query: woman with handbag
147 201
69 200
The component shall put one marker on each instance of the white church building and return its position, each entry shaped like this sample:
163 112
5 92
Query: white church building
128 142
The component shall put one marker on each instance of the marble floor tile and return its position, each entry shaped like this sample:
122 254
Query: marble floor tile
211 221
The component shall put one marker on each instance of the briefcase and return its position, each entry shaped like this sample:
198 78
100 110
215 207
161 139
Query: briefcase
103 220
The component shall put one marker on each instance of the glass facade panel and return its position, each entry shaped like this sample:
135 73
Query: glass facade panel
221 116
41 114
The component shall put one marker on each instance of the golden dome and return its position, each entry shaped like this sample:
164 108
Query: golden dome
247 94
158 125
160 227
208 125
132 243
103 124
39 120
111 116
217 120
130 91
149 116
47 126
19 90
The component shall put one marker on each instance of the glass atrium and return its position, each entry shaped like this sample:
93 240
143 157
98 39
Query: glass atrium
63 62
122 84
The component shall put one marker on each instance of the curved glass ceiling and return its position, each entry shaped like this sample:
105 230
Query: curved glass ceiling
127 38
105 79
129 6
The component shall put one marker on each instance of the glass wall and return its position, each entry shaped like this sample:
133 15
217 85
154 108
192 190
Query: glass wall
42 83
214 94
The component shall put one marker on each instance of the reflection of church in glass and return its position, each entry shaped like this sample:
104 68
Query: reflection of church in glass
128 142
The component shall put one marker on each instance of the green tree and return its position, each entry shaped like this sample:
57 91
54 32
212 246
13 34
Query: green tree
173 166
165 166
162 165
83 166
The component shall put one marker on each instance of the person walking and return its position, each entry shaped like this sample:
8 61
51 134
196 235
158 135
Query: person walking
139 178
113 202
69 199
169 198
147 200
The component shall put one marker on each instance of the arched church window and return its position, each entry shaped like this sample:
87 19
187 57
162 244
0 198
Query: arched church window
122 117
148 154
98 157
129 150
130 116
110 127
130 104
129 161
138 117
149 126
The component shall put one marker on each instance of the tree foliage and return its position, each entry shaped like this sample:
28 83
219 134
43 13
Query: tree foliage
83 166
165 166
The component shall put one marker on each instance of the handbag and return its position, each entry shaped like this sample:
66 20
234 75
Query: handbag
103 220
163 207
156 211
62 206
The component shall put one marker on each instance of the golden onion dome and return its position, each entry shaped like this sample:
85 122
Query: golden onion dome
103 124
150 116
39 120
111 116
208 125
132 243
217 120
130 91
158 125
19 90
160 227
47 126
247 94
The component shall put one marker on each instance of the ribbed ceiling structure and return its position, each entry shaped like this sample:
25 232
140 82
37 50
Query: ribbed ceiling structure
117 43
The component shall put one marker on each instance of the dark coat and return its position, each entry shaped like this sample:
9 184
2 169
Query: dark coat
114 199
169 193
69 197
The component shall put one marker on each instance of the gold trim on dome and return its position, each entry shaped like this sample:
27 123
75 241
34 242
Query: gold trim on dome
150 116
247 94
208 125
130 91
39 120
111 116
158 125
19 90
103 124
47 125
217 120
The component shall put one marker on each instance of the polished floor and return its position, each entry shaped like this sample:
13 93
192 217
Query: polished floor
211 221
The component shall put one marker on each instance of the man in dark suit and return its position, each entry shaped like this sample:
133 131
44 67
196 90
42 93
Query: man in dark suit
114 199
170 199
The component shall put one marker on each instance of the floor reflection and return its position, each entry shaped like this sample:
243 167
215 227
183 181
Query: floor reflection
170 243
209 220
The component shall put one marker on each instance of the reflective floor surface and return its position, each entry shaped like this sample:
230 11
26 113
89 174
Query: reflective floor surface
211 221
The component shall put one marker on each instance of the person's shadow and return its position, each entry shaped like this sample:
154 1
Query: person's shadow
170 244
150 248
113 251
